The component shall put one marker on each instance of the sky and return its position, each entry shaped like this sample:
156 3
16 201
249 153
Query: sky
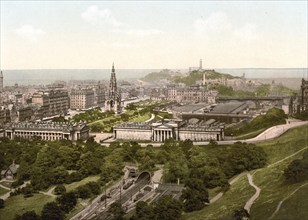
153 34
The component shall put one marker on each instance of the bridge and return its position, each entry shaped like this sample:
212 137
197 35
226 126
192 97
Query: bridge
277 100
227 118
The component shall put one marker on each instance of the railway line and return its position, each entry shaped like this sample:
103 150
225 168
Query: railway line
99 212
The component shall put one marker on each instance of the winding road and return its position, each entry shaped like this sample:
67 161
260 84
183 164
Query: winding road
255 196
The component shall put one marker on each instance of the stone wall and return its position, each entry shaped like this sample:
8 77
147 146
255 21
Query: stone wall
133 134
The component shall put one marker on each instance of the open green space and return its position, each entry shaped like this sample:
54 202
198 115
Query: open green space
135 112
232 200
297 202
273 116
3 191
250 135
81 204
17 205
6 184
270 179
74 185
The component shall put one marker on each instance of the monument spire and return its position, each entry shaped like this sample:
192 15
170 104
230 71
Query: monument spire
113 101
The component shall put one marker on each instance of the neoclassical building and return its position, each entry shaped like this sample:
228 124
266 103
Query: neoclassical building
113 99
48 130
165 129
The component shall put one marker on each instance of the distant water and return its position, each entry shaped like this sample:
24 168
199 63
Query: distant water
45 76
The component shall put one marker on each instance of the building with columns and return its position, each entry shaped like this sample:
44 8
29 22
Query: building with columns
166 129
113 99
48 131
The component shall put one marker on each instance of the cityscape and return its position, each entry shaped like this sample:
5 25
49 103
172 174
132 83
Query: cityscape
107 111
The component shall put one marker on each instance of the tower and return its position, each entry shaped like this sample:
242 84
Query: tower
1 81
304 95
113 99
200 65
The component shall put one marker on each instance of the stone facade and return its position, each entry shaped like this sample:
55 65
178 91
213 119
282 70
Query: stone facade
299 102
163 130
82 98
304 95
192 94
100 95
1 81
56 102
113 100
4 116
24 113
48 131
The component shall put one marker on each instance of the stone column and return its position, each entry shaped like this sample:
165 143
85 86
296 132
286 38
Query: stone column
155 135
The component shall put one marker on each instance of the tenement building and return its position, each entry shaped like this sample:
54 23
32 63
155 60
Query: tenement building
192 94
113 99
48 131
82 98
54 102
176 129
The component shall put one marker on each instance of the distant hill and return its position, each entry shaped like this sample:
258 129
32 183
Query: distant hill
186 78
197 75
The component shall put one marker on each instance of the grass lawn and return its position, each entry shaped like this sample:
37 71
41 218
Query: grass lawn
18 205
232 200
270 180
2 191
141 118
74 185
7 184
81 204
250 135
297 203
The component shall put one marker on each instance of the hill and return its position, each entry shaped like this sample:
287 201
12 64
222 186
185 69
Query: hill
186 78
276 193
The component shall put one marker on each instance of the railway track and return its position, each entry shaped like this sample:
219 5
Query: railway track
101 213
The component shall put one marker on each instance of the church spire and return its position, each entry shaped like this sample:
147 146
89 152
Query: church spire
113 68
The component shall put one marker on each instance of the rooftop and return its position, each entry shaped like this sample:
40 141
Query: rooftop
51 126
229 108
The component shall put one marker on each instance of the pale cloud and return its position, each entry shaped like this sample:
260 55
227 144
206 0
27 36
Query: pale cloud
247 32
29 32
116 44
216 22
138 32
95 15
219 24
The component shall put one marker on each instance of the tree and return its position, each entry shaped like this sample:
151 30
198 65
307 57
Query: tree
116 211
29 215
67 201
167 208
195 195
143 211
1 203
297 170
51 211
240 214
60 189
83 192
